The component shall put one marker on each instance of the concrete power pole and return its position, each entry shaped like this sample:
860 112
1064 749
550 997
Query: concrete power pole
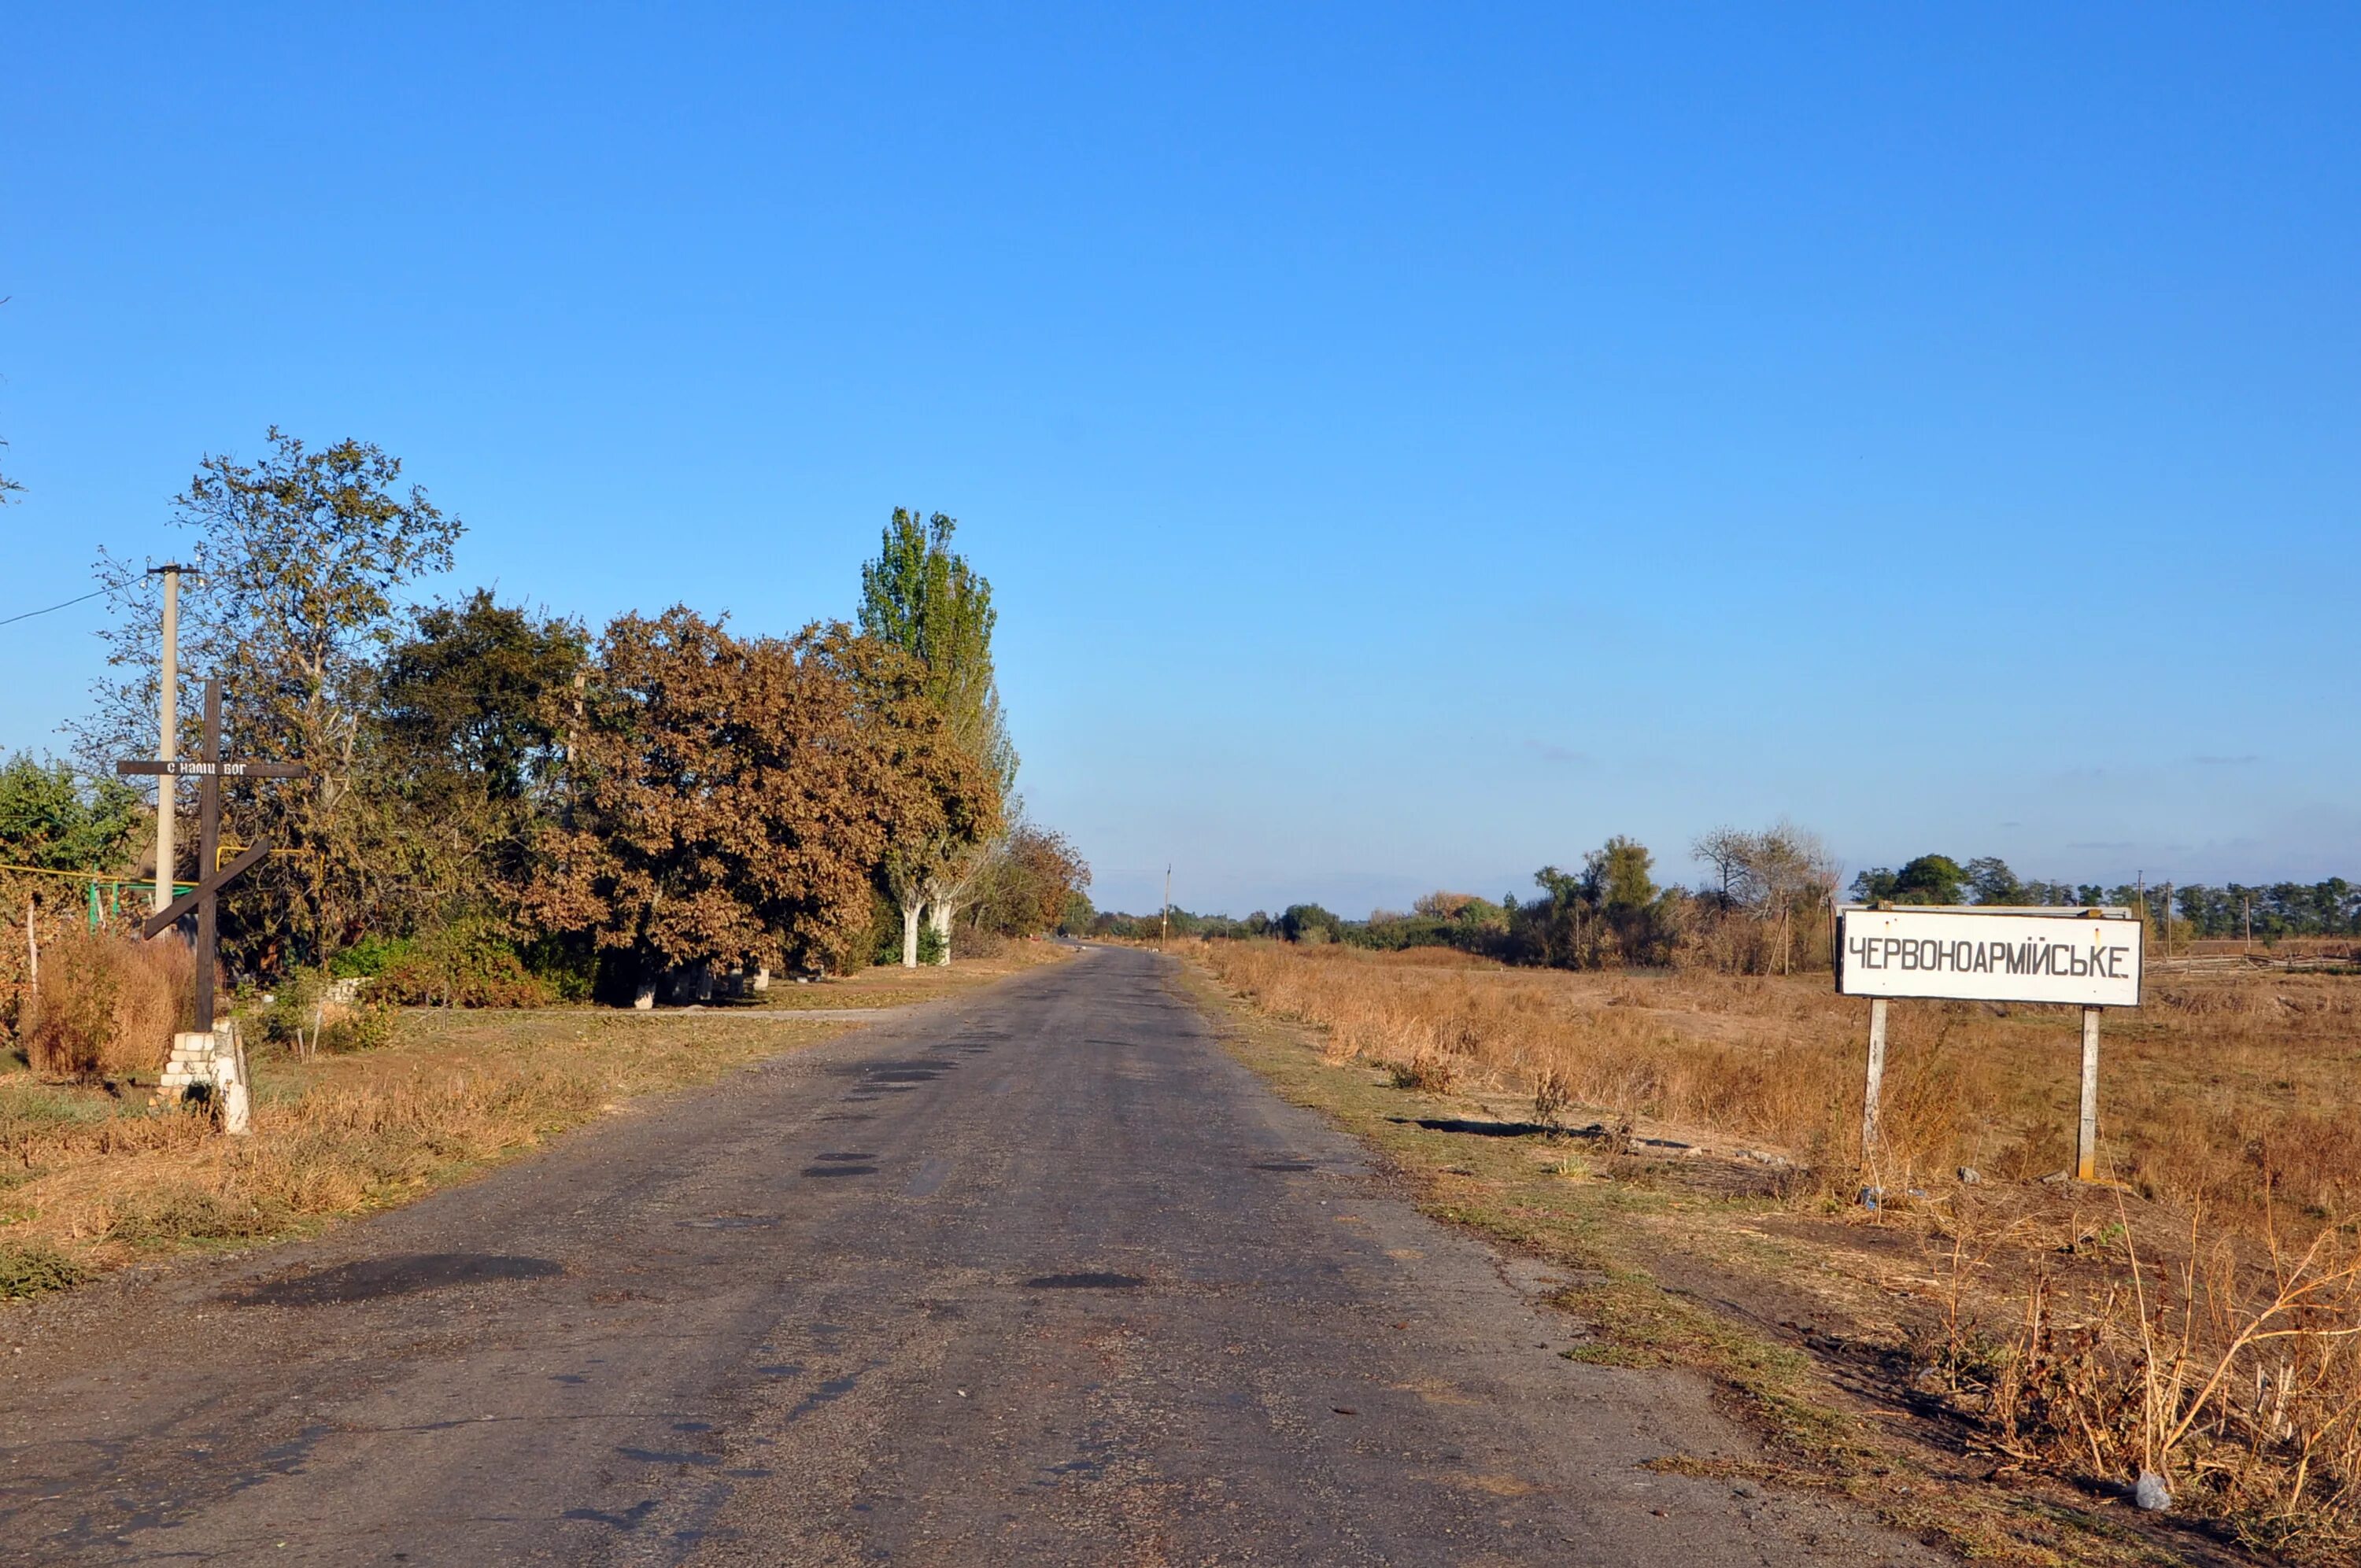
1164 919
168 704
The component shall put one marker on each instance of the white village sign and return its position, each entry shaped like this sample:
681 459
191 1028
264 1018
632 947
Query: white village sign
2080 957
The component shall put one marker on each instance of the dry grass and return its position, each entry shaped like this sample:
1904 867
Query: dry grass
2230 1372
2200 1317
2216 1092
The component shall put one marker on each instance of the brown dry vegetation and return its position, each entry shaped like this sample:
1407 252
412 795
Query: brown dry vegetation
2219 1090
2199 1317
106 1005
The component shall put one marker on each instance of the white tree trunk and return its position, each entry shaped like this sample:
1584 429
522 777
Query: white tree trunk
910 912
942 922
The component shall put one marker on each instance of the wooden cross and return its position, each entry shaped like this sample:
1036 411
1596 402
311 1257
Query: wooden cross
208 767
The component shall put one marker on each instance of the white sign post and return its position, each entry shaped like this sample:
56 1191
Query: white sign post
2078 958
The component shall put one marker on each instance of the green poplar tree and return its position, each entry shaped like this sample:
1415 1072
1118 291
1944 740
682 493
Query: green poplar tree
921 596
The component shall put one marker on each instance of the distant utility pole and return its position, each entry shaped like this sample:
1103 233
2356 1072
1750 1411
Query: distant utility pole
168 704
1164 920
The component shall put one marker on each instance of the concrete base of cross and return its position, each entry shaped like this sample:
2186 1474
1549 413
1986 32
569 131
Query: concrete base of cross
216 1061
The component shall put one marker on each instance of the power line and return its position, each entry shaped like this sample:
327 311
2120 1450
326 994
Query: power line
30 613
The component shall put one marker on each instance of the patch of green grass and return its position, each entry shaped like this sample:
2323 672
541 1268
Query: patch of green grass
29 1268
27 1102
183 1216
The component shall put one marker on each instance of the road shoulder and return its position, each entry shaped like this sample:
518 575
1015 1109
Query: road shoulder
1648 1290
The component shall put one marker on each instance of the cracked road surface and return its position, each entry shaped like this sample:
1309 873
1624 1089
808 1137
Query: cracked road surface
1035 1276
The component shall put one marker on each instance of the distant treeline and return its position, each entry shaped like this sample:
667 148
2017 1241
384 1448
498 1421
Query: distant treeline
1761 915
1764 910
2329 908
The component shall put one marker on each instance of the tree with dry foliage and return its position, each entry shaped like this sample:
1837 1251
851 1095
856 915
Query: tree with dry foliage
731 799
1025 885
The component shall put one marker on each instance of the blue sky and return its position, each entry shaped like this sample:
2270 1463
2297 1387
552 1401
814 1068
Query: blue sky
1409 443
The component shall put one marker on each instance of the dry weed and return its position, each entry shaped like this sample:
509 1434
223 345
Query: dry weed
2215 1091
107 1005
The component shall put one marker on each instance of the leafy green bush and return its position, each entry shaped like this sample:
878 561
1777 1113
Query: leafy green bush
567 965
470 962
886 940
295 1015
370 957
303 1015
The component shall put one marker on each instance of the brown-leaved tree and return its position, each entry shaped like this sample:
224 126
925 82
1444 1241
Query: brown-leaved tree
731 800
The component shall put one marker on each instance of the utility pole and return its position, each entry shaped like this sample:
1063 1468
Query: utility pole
1164 920
167 717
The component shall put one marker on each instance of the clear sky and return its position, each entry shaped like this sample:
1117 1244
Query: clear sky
1408 443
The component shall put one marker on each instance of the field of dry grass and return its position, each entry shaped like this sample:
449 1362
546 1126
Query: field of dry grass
91 1179
2199 1314
2219 1090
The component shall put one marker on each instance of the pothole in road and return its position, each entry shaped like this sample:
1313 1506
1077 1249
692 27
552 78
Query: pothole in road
1085 1281
1285 1165
909 1069
371 1279
732 1222
839 1170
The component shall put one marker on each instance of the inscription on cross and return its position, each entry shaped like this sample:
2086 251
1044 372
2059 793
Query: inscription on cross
209 768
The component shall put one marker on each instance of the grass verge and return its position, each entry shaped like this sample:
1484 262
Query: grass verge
1692 1265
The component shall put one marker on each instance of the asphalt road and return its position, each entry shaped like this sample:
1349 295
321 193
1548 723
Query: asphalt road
1034 1275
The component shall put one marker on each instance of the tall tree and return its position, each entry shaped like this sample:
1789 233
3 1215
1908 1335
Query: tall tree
470 722
1929 879
921 596
297 559
1991 880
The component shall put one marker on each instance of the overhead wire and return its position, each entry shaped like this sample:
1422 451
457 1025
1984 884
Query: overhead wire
28 615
